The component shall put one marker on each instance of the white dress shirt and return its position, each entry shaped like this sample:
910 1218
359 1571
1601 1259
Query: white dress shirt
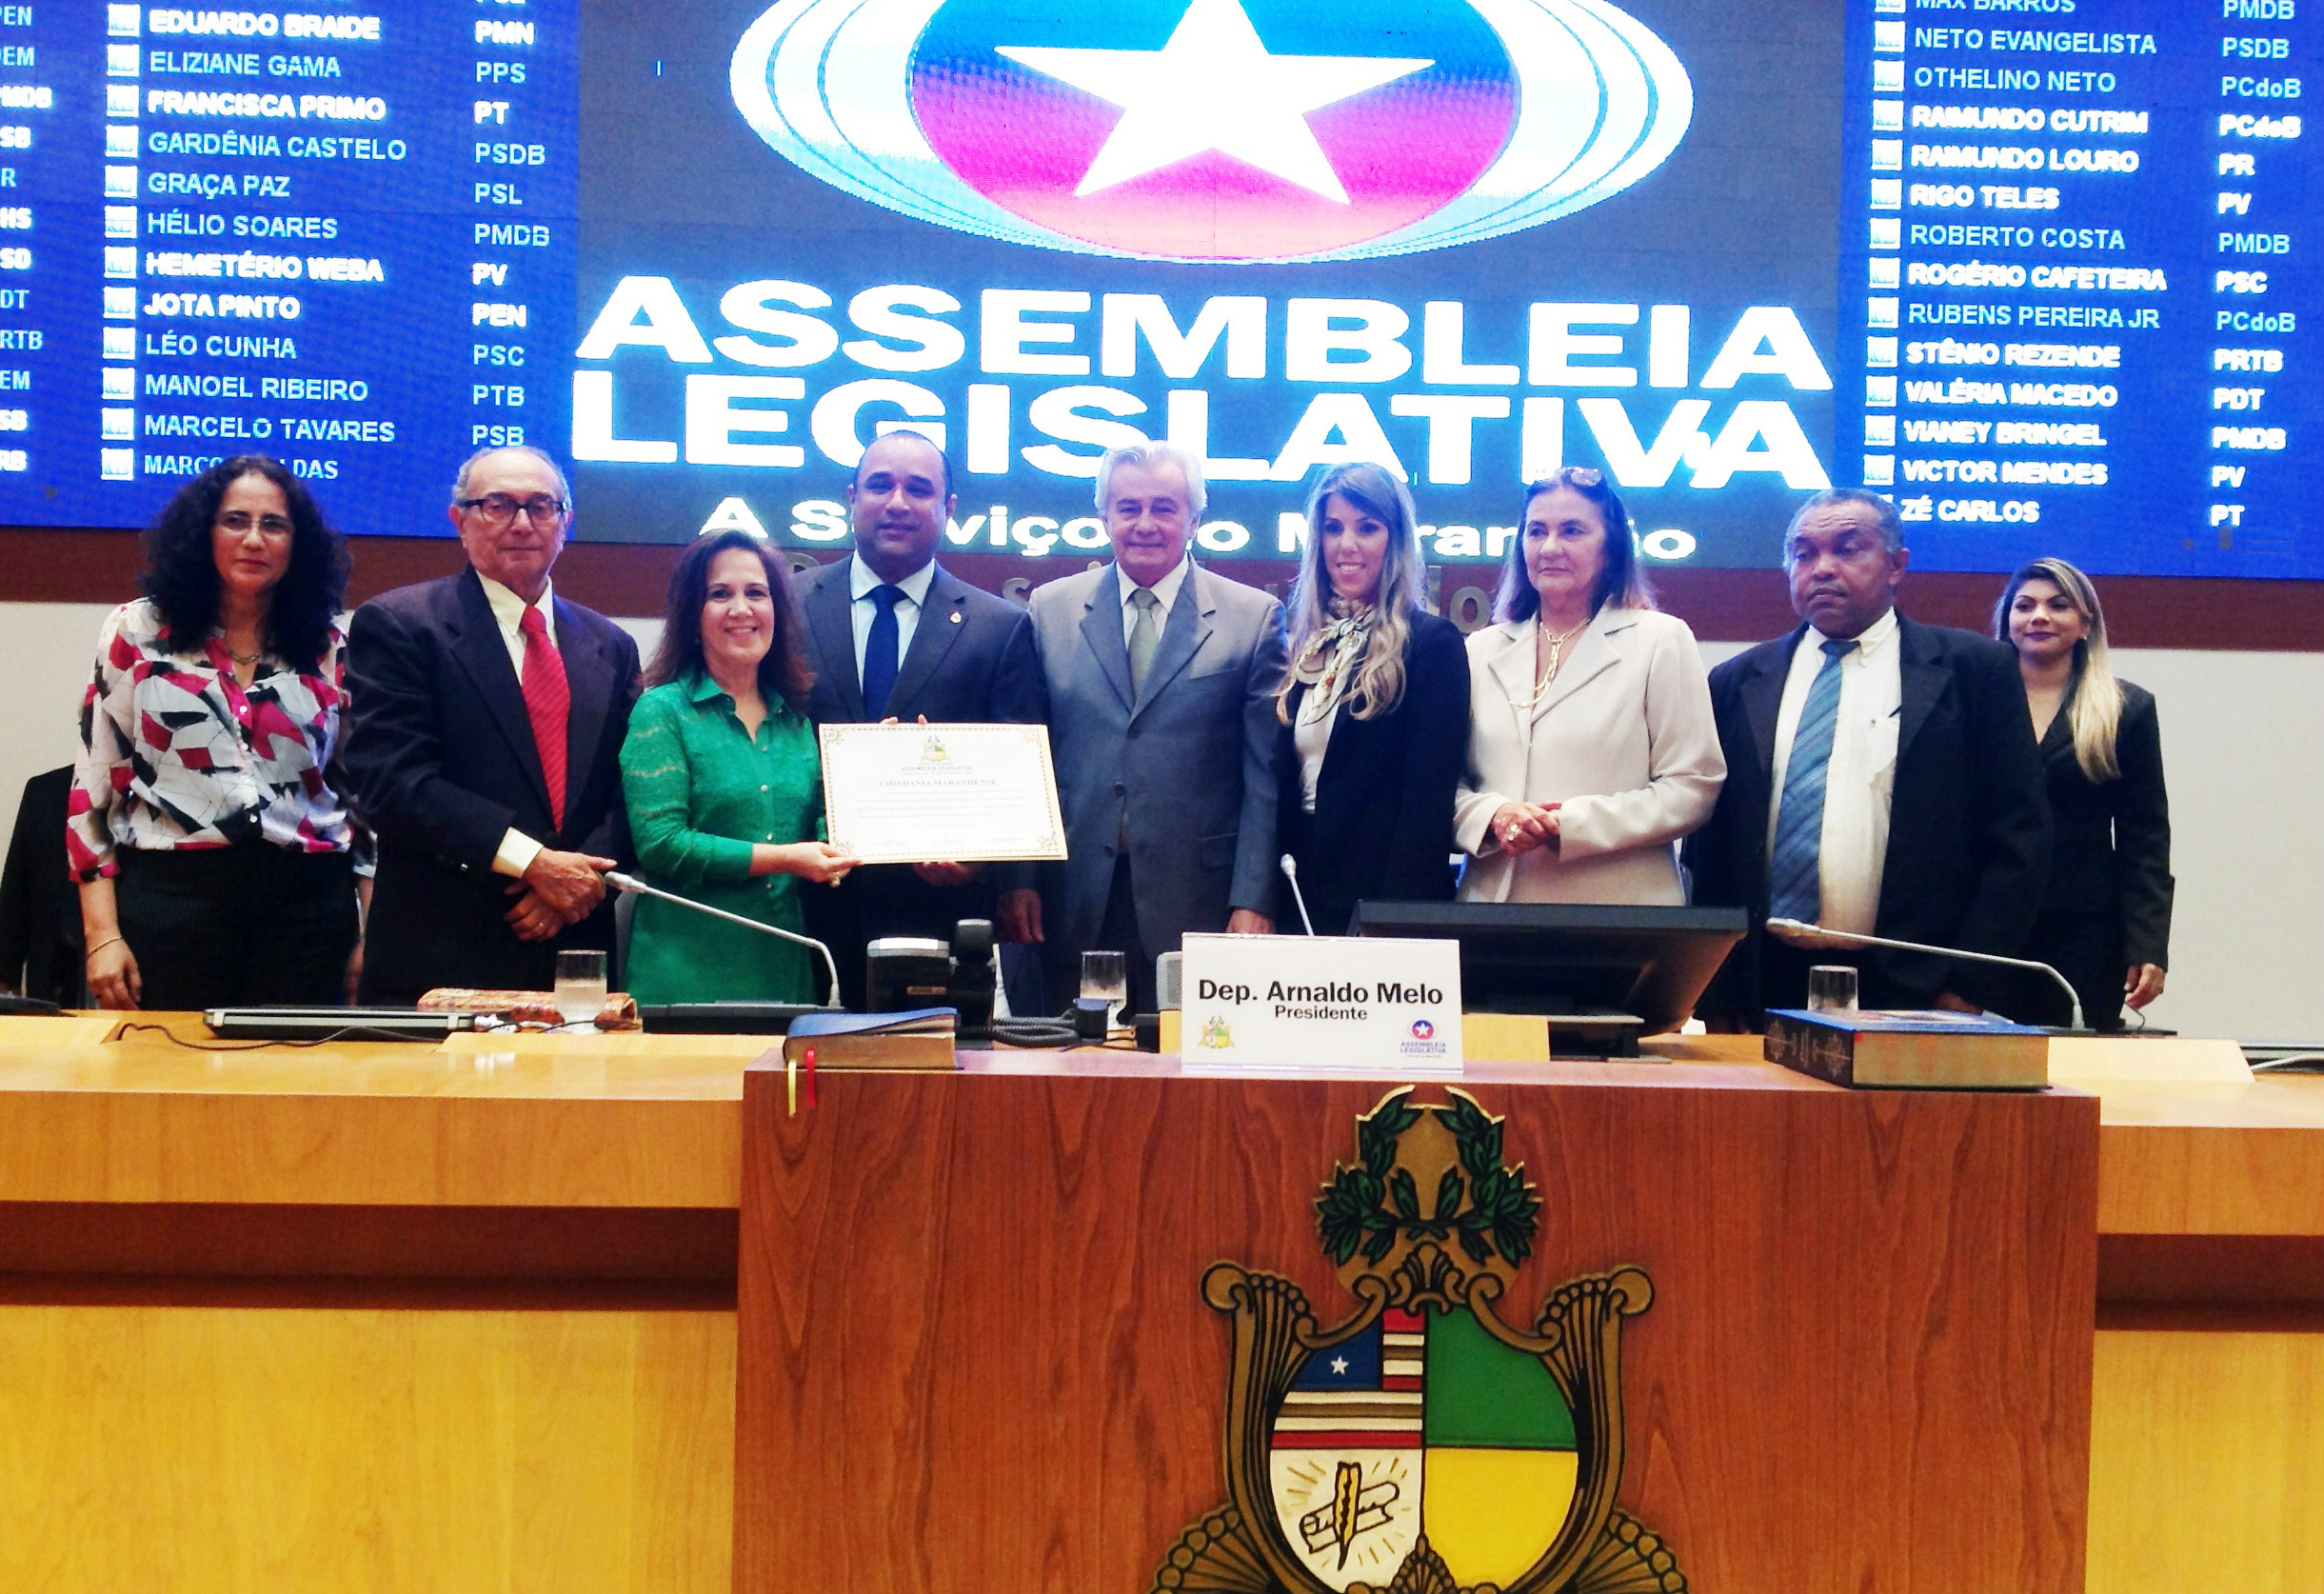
1861 776
1311 740
508 613
517 849
861 579
1166 590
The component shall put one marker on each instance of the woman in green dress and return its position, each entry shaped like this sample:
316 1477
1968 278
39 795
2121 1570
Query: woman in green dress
724 785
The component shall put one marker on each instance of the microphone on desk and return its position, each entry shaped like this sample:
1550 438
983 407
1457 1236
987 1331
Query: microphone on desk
637 888
1290 867
1795 933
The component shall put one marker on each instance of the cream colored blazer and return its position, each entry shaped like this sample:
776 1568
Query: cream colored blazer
1622 740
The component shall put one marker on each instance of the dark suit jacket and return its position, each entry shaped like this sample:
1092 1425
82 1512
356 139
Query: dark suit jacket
971 660
438 759
2108 905
1967 825
2112 853
1383 822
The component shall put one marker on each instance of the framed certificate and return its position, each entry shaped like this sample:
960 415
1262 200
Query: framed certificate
941 793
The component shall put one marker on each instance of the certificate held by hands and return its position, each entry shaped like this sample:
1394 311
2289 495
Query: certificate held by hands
941 793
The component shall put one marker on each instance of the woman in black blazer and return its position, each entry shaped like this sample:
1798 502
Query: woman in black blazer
2105 920
1374 709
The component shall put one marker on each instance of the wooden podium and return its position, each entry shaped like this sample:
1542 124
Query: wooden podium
975 1351
417 1318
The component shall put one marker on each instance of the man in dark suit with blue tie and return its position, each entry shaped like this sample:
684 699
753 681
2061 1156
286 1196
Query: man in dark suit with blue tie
483 736
1881 779
890 633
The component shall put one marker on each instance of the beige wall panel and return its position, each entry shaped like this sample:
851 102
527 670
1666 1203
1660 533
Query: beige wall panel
241 1451
2207 1462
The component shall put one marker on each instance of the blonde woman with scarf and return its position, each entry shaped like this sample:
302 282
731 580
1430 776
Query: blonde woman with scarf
1374 709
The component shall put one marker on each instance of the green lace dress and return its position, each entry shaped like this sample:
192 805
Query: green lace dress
702 792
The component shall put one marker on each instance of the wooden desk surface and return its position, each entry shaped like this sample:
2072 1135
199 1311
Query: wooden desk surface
2176 1159
653 1121
527 1120
617 1120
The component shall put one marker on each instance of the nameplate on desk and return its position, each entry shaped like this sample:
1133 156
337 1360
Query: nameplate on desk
1365 1005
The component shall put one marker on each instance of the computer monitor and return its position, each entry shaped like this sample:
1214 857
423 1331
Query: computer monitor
1573 960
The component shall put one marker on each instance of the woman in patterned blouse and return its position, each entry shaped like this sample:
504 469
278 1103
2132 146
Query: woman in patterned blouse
216 862
725 784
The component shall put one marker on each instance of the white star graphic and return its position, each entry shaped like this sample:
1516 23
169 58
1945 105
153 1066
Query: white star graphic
1214 87
1338 1364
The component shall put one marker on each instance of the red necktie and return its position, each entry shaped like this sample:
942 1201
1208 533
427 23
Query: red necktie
547 698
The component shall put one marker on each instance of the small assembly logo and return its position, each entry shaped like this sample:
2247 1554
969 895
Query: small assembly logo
1424 1442
1218 131
1216 1036
932 750
1422 1042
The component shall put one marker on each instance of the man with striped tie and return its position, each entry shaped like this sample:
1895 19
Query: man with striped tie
1881 778
485 722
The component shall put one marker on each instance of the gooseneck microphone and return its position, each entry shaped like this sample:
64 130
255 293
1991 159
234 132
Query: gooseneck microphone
1290 867
1794 933
637 888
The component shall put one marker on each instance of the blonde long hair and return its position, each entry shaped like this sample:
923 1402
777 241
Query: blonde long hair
2094 699
1378 683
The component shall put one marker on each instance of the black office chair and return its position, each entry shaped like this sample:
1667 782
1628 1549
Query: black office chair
40 906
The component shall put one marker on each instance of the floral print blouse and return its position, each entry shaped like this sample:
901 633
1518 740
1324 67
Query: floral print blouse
175 752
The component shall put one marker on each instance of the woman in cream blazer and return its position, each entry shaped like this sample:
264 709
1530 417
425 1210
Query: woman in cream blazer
1591 749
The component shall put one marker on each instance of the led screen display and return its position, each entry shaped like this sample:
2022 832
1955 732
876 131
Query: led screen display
2036 270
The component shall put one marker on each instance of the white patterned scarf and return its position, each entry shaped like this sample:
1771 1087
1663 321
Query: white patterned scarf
1331 657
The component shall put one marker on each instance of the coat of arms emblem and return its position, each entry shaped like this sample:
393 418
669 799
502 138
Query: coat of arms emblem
1422 1444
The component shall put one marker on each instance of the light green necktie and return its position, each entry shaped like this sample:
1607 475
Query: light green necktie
1145 635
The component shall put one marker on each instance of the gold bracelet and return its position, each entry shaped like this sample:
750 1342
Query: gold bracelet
99 947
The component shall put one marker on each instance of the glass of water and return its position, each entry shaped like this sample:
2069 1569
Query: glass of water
1831 988
580 985
1107 974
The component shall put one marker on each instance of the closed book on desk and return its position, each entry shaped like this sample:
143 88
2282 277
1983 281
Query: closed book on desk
922 1038
1910 1049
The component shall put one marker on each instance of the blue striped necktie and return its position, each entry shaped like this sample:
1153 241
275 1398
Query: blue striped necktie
1795 888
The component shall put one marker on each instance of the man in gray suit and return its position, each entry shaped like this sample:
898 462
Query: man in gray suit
1161 680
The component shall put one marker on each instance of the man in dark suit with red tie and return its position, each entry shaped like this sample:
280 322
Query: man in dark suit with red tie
891 632
485 719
